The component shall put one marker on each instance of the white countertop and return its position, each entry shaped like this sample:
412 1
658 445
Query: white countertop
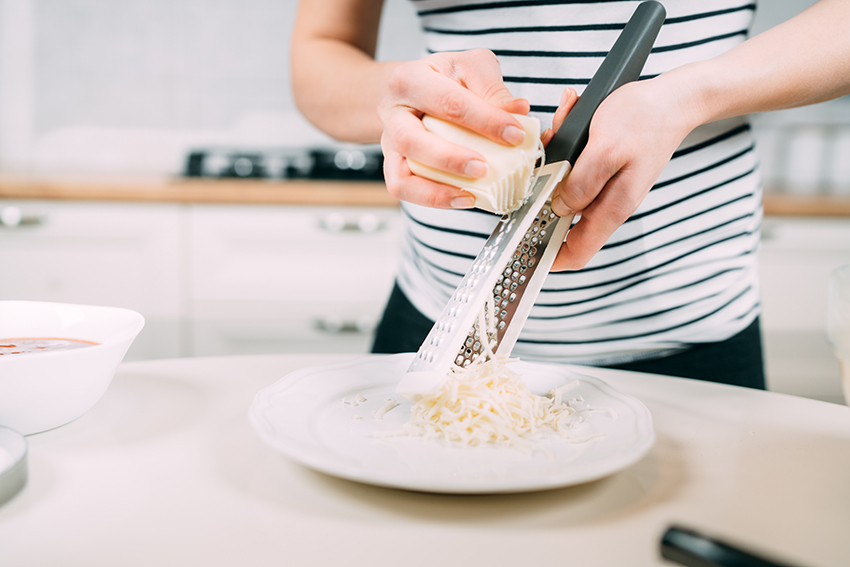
166 470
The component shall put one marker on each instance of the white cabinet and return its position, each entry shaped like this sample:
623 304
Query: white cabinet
231 279
293 279
95 253
210 279
796 259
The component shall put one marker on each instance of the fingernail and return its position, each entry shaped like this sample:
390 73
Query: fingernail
462 203
560 208
475 168
513 135
564 97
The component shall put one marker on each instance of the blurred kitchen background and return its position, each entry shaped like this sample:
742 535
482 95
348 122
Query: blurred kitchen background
105 106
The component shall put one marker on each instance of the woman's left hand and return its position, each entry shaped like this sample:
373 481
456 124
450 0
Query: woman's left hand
633 135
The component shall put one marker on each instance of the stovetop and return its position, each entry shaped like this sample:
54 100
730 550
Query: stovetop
342 163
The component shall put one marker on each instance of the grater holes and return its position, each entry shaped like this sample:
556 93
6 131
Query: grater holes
506 291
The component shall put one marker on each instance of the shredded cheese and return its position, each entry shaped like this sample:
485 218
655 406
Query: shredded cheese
388 405
487 402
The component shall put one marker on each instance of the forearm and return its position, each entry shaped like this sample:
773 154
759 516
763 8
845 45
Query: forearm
338 89
336 81
802 61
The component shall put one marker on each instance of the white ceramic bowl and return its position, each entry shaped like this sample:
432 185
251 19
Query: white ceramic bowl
43 390
13 463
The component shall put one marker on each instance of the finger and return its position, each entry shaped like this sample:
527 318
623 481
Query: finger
406 135
599 220
595 166
479 70
405 186
568 100
438 95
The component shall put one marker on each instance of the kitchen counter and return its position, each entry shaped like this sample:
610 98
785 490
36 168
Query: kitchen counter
167 470
342 193
210 191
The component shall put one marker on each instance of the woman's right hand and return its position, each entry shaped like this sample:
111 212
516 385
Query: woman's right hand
465 88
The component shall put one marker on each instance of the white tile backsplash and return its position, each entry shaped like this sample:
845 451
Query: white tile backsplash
128 86
17 100
805 150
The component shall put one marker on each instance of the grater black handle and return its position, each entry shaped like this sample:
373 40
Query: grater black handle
623 64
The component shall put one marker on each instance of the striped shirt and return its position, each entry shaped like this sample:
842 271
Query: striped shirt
682 269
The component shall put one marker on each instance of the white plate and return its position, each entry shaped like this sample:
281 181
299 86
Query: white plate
304 417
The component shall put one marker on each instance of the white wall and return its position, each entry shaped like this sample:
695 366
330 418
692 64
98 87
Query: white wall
129 85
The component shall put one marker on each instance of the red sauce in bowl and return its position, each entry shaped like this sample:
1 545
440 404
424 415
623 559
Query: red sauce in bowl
40 344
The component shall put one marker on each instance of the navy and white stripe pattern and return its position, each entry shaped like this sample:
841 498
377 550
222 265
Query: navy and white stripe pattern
682 269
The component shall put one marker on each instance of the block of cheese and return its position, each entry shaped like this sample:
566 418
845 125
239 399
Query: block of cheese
508 181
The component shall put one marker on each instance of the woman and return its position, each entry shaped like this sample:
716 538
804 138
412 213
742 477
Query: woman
660 273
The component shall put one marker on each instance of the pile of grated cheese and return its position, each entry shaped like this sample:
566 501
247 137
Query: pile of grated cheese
487 402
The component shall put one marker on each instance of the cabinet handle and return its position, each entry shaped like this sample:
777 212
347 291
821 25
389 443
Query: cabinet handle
13 217
339 326
366 223
768 233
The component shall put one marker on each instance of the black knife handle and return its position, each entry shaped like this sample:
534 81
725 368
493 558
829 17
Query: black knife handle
693 549
623 64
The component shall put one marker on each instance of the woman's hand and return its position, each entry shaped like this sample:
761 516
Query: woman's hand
463 87
638 127
633 135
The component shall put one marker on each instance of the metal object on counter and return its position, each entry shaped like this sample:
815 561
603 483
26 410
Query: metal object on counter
13 463
349 163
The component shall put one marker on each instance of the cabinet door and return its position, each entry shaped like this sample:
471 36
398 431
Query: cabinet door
795 261
289 279
122 255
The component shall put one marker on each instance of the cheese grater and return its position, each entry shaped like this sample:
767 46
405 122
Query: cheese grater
516 258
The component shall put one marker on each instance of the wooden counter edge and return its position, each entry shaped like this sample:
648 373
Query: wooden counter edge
316 193
789 205
247 192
